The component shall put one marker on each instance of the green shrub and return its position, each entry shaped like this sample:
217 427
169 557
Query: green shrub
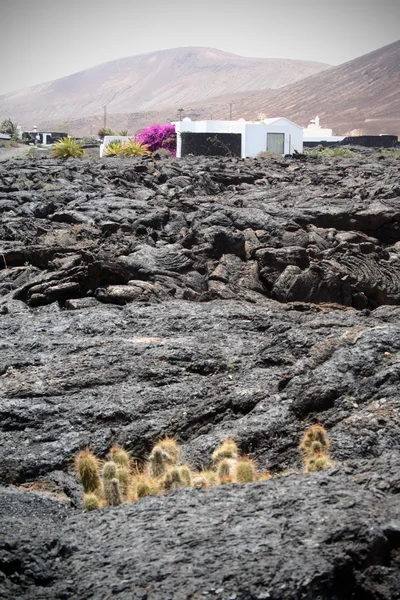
68 148
105 131
389 152
133 148
329 152
114 148
8 126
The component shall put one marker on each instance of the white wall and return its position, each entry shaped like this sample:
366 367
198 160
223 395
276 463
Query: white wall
209 127
330 138
254 135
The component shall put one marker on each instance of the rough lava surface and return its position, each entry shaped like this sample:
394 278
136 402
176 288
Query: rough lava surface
203 298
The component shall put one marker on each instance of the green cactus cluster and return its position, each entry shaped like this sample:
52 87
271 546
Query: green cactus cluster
314 448
118 479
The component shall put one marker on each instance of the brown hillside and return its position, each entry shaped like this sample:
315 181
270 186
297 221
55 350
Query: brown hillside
361 96
149 82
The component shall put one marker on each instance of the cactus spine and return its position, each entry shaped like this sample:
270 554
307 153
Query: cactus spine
123 476
120 456
87 467
112 492
90 502
186 475
228 449
245 471
173 479
316 433
171 447
314 447
158 461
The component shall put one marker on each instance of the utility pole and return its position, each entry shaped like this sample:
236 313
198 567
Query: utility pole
105 116
180 112
230 110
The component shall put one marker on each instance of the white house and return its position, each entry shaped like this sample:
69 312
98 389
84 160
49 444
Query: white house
315 133
278 135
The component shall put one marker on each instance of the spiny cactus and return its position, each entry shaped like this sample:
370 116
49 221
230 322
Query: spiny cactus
228 449
109 471
173 479
314 447
200 482
225 468
171 447
90 502
145 486
158 461
112 492
246 471
318 462
225 480
186 475
210 476
122 481
120 456
87 467
204 479
316 433
123 476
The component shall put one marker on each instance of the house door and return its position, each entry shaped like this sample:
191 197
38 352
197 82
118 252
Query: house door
276 143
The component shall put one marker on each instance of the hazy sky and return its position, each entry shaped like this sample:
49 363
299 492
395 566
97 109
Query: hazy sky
42 40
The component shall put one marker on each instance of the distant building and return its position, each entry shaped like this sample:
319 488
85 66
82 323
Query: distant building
245 138
315 133
42 137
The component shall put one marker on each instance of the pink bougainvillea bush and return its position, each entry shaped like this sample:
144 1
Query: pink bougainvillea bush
158 136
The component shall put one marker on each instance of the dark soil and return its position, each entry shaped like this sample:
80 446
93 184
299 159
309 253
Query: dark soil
202 298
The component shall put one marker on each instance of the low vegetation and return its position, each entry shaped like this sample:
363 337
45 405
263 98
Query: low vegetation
329 152
103 131
268 154
68 148
113 148
314 448
134 148
119 479
389 153
8 126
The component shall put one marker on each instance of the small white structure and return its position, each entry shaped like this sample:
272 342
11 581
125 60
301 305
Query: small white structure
278 135
315 133
112 138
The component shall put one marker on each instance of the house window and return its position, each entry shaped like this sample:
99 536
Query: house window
276 143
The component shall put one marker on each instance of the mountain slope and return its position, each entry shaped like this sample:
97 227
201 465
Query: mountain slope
360 96
168 78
